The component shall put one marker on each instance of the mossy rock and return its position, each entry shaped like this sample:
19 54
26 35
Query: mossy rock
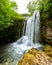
48 50
35 57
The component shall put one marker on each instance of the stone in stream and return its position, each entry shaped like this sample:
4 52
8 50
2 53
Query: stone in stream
35 57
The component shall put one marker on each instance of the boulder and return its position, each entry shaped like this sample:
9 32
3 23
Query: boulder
35 57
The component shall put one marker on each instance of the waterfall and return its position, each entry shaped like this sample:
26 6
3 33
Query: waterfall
37 27
30 29
23 33
31 39
33 27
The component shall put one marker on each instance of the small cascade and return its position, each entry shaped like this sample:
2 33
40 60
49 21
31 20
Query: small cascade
24 28
30 29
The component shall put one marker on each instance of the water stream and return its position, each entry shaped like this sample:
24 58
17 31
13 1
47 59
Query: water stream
11 53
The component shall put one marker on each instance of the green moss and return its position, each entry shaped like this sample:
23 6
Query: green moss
48 50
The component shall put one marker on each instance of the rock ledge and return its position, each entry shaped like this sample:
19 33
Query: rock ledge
35 57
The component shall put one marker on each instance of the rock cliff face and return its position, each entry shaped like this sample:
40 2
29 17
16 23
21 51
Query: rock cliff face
46 31
35 57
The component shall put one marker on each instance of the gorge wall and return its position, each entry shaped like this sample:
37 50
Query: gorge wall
46 30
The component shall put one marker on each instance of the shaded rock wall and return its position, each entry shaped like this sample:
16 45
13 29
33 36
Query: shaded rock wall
46 31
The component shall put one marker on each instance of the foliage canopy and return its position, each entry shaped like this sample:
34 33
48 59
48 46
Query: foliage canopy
6 13
45 7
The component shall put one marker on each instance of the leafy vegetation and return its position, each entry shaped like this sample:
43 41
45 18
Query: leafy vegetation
45 7
11 23
6 13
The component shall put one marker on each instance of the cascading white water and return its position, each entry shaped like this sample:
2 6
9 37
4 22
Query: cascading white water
29 29
15 50
32 33
37 27
33 27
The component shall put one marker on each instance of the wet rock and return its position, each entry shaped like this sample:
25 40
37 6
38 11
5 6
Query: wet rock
35 57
